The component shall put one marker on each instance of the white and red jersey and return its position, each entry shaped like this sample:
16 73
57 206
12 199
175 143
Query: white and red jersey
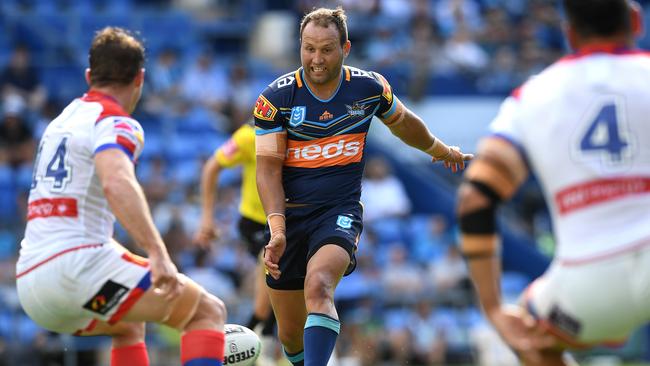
583 125
67 207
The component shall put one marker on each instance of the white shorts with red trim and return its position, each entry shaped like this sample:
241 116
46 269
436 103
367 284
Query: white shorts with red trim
598 302
69 291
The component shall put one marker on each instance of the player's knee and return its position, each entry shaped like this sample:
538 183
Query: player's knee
211 311
129 332
290 335
319 286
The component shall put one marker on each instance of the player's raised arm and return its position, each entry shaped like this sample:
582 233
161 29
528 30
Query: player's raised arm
410 128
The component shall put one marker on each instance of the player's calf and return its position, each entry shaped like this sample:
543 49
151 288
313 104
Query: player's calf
204 338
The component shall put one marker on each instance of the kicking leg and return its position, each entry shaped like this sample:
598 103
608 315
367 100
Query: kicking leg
324 271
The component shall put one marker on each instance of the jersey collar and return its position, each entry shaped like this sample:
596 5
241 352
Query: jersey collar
93 94
604 48
302 74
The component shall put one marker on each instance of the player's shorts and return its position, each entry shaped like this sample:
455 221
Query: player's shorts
599 302
68 291
308 229
254 234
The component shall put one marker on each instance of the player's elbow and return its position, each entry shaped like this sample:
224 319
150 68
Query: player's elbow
114 185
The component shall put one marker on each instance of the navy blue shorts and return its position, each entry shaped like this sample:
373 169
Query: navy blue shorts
308 229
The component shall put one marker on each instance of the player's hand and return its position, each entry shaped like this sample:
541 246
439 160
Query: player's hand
272 253
454 159
521 332
206 233
164 277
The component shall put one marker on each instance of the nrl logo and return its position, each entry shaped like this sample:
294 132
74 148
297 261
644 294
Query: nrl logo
355 110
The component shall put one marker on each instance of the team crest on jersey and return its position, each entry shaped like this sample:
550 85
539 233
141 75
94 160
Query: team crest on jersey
106 298
356 110
325 116
264 110
344 222
297 116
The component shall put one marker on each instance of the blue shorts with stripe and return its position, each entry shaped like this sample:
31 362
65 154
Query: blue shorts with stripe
308 229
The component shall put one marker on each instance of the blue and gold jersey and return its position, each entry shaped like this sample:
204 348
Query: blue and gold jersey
325 138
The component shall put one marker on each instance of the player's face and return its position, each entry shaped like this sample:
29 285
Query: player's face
321 53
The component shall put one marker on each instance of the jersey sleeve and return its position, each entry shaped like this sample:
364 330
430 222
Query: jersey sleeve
268 118
507 125
387 103
237 150
118 132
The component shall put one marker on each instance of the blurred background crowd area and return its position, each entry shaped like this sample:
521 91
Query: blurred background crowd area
410 300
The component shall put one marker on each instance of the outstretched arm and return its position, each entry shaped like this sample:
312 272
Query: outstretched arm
410 128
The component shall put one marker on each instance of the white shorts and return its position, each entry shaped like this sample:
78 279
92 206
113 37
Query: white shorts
70 290
600 302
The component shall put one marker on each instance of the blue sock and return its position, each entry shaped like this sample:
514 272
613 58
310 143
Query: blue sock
320 337
296 359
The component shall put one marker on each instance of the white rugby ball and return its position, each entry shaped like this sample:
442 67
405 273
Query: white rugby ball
243 346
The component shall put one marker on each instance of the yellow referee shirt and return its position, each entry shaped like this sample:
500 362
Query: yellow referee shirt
240 150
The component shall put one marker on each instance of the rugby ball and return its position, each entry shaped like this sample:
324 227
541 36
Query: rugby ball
243 346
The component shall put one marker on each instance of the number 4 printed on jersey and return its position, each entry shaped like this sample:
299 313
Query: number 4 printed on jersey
606 135
57 170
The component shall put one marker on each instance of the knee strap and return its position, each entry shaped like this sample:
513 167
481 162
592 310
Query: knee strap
185 305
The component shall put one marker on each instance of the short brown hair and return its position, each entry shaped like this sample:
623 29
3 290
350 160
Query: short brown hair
324 17
599 18
115 57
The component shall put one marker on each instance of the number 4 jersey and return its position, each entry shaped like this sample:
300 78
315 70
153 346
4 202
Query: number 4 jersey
67 207
583 126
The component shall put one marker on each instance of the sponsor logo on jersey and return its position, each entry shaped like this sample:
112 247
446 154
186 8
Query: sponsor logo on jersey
329 151
264 110
52 207
355 110
297 116
590 193
325 116
106 298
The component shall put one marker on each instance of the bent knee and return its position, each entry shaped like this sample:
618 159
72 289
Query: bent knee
291 336
211 313
319 286
128 332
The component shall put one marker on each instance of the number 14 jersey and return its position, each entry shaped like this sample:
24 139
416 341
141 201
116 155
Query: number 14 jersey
67 207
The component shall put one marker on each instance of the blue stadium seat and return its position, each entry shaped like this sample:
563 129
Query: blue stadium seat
65 82
7 194
168 29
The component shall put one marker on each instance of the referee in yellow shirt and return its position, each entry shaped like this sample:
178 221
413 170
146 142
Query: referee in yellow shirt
239 150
